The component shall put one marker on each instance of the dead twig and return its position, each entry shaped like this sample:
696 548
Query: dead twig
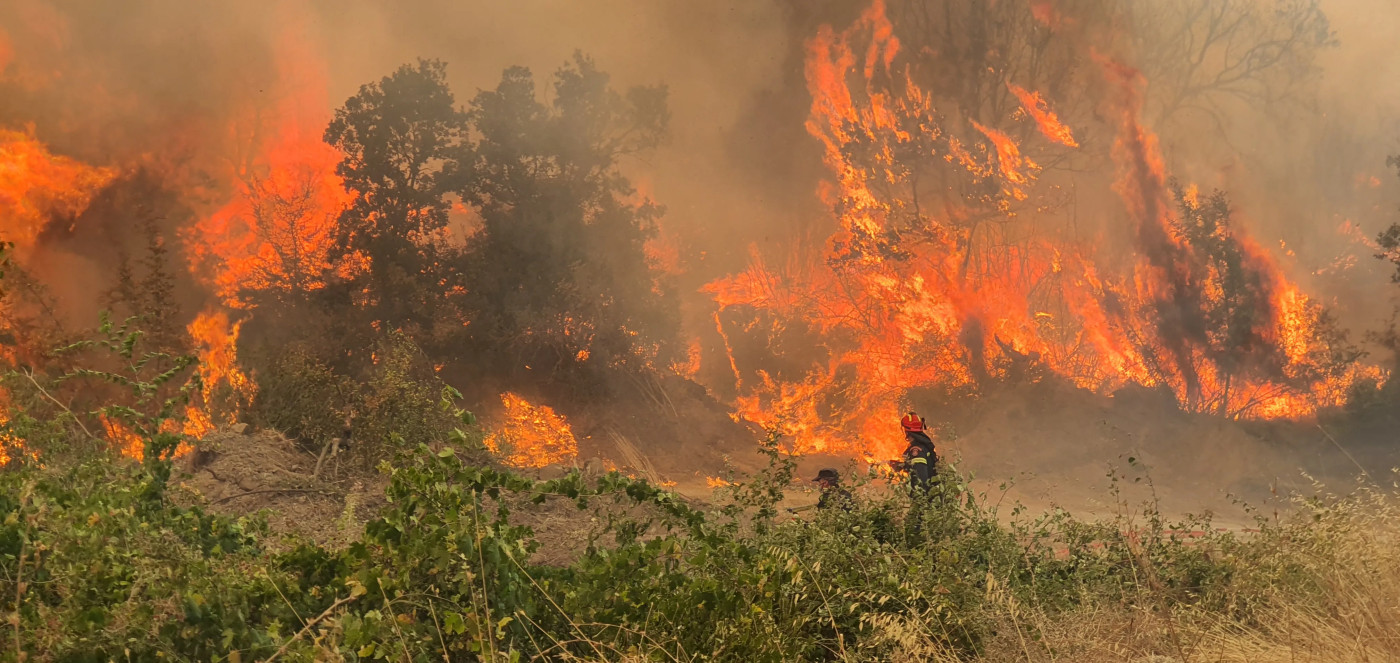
304 629
1334 442
30 375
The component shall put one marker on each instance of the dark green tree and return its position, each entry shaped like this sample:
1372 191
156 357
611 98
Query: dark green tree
1388 336
400 137
1234 317
160 310
558 278
1229 310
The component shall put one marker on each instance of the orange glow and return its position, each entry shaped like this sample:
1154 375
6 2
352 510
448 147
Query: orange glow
276 232
36 186
1045 13
532 435
122 438
691 366
197 423
7 52
664 254
1045 119
1013 164
9 444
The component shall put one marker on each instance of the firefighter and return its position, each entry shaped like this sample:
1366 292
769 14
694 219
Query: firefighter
920 460
921 463
833 494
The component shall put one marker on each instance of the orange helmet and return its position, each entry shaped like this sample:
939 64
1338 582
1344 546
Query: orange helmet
912 422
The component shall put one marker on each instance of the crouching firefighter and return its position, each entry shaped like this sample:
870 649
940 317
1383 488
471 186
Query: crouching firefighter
920 462
834 495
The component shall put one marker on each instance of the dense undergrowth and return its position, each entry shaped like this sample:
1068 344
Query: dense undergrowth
98 564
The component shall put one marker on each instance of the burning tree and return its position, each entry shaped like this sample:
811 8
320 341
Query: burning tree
497 243
951 268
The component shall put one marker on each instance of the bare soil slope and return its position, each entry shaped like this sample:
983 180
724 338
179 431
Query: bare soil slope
242 474
1057 446
1051 444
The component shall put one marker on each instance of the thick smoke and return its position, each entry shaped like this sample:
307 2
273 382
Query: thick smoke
186 89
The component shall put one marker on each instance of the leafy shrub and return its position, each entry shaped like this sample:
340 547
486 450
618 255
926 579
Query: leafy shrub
301 396
104 571
400 398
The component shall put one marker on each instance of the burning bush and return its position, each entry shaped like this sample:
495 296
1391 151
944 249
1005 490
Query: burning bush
549 284
530 435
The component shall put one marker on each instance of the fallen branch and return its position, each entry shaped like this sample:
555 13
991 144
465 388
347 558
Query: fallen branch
333 448
269 490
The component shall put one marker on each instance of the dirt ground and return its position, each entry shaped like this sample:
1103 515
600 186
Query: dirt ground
247 473
241 474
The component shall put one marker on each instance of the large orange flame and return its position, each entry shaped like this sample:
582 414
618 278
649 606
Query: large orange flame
275 234
909 296
225 386
37 187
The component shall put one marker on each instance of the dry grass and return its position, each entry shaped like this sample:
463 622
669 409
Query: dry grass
1339 603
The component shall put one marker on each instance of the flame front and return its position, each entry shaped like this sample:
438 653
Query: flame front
225 386
911 294
1045 119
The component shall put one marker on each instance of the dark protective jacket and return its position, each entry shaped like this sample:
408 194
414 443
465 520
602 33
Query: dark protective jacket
837 497
920 460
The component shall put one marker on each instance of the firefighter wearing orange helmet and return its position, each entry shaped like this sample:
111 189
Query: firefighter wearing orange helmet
920 460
